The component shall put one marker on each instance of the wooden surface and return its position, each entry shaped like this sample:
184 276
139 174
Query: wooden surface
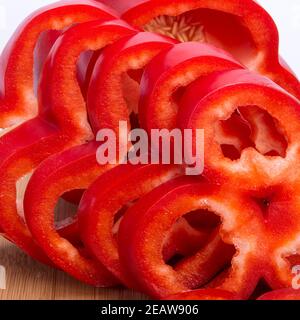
27 279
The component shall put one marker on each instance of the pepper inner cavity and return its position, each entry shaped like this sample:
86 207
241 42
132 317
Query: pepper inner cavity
209 26
250 126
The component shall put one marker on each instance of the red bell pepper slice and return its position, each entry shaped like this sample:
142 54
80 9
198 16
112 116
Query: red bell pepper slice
241 27
159 210
170 72
272 114
18 101
111 88
204 294
153 44
113 94
61 123
82 160
283 294
97 216
263 242
54 177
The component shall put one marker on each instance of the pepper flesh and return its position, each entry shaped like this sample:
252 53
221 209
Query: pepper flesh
152 275
18 101
265 237
246 93
97 216
54 177
128 183
157 42
169 73
111 88
57 127
241 27
112 94
262 243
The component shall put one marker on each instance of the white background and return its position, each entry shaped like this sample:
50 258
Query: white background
285 13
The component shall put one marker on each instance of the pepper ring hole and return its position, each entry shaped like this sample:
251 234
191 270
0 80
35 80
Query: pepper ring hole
250 127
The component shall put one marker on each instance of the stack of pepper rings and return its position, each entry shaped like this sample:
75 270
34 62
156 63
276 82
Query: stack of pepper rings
76 67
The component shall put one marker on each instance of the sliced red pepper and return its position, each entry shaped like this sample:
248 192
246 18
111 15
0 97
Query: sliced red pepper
120 91
97 219
263 242
54 177
97 216
242 28
252 130
111 87
62 120
62 179
283 294
18 102
159 210
204 294
156 41
169 73
76 169
272 114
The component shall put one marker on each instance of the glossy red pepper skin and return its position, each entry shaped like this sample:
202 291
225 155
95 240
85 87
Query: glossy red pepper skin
111 88
171 71
158 42
112 94
97 216
18 102
241 27
269 181
283 294
161 209
128 183
55 176
204 294
87 152
260 212
90 36
262 242
242 90
75 169
61 123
